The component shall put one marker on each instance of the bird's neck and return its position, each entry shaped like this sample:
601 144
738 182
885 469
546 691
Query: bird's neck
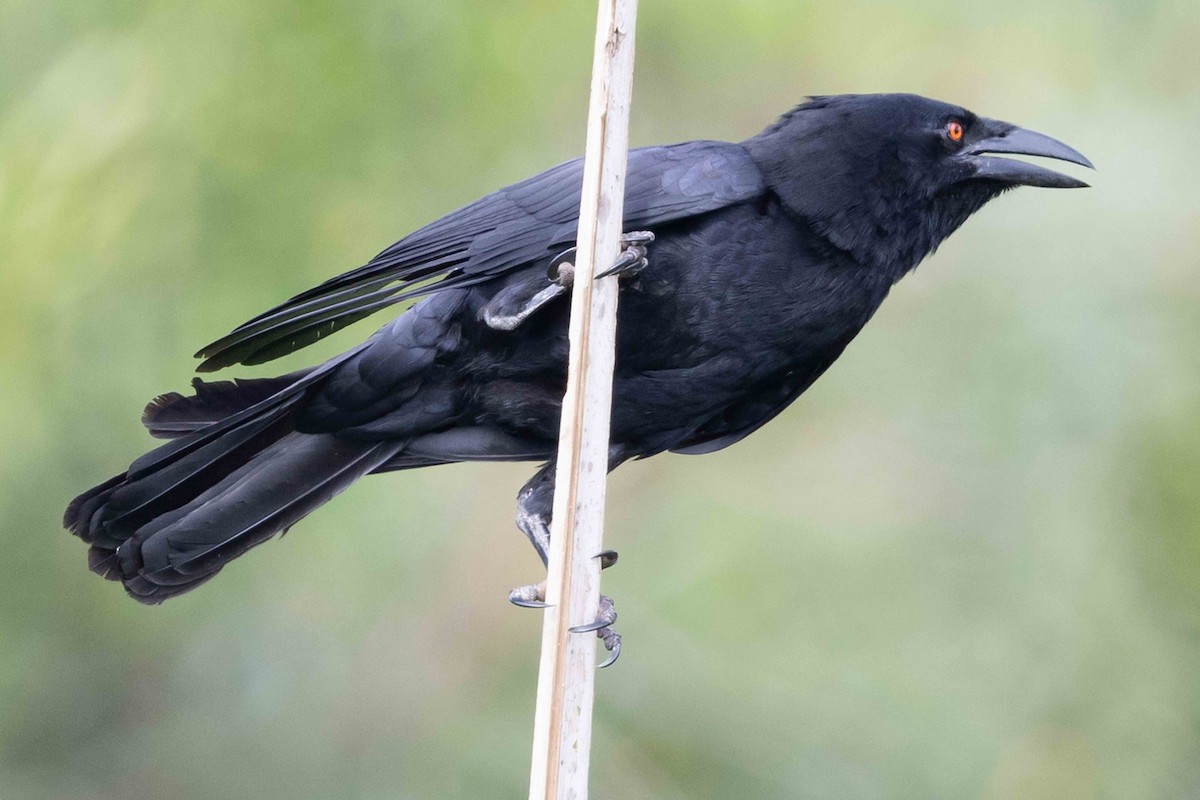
885 222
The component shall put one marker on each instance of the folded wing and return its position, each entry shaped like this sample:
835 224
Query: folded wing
503 231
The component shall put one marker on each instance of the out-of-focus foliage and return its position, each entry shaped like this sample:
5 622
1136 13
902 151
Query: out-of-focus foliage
966 564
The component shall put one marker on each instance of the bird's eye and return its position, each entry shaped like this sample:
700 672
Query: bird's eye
954 130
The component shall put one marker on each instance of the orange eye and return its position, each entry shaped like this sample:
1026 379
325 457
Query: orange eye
955 131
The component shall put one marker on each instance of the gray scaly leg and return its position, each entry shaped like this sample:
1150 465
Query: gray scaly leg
535 507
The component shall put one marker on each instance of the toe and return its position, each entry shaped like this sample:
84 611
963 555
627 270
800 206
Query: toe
532 595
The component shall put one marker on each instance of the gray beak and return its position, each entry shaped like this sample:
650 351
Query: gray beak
1005 138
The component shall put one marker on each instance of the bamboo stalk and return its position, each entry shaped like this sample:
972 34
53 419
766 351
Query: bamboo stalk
566 677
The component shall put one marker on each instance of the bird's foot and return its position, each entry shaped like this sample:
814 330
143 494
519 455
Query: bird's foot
533 595
633 259
602 625
516 303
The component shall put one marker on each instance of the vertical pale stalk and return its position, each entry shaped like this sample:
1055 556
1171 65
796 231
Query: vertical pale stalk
563 721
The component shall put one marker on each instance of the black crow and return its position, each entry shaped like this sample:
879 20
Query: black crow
752 267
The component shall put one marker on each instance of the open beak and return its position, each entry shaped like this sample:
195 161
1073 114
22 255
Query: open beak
1001 137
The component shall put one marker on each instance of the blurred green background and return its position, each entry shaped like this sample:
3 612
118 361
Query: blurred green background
965 565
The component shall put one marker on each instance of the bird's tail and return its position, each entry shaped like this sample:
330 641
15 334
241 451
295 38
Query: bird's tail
236 473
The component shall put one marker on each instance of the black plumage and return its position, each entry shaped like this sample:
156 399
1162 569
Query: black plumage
769 257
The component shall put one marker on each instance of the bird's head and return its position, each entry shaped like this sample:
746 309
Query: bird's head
887 177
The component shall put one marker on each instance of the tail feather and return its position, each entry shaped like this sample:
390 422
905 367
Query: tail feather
184 446
83 508
140 501
236 471
237 474
277 488
286 396
172 415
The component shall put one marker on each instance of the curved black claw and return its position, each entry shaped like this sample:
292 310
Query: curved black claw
528 603
606 615
530 596
607 558
633 258
630 263
591 626
612 643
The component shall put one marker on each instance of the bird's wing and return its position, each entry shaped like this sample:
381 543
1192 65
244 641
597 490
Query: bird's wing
506 230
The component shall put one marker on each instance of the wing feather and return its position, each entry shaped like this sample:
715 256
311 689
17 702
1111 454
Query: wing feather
511 228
